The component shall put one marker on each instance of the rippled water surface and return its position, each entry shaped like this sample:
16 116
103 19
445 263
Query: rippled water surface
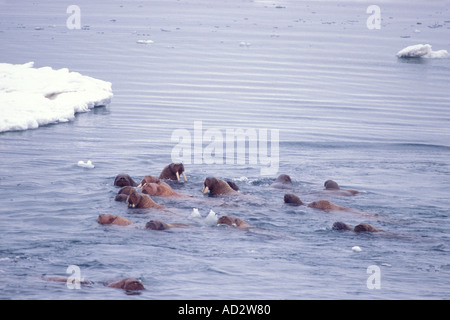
346 109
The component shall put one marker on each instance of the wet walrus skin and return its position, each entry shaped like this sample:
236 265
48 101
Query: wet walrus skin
160 225
123 193
139 200
111 219
331 185
217 186
282 182
159 189
233 222
173 171
123 180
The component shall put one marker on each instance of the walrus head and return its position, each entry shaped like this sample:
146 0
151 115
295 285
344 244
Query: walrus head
216 186
133 284
106 219
231 221
364 227
156 225
341 226
331 185
177 169
148 179
128 284
123 180
321 204
133 199
292 199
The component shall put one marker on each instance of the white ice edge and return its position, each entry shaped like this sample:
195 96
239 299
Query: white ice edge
32 97
422 51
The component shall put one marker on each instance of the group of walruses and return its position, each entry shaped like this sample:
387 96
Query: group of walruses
155 186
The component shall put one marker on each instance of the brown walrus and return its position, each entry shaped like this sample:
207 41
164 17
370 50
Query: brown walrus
233 222
139 200
217 186
331 185
293 199
282 182
64 279
148 179
123 193
127 284
341 226
159 189
324 205
173 171
123 180
111 219
363 227
160 225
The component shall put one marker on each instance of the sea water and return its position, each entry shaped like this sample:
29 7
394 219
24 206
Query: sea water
345 106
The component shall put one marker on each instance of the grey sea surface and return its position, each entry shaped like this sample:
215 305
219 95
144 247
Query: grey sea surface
346 108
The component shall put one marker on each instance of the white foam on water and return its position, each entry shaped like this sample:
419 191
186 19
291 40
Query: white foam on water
32 97
422 51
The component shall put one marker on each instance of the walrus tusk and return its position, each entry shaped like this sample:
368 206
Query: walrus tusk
205 189
184 176
139 186
178 176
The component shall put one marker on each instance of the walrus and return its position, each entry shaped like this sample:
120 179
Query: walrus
324 205
341 226
159 189
233 222
363 227
123 193
64 279
148 179
127 284
123 180
173 171
293 199
282 182
160 225
139 200
111 219
217 186
130 284
331 185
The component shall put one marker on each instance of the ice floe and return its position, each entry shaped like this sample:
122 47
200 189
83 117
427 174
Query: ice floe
422 51
32 97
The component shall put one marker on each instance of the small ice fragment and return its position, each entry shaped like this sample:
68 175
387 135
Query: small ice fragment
356 249
144 41
211 217
87 164
195 213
